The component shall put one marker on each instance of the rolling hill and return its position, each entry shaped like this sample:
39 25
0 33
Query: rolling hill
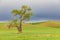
50 23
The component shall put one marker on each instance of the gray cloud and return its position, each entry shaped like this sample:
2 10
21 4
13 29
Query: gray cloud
41 9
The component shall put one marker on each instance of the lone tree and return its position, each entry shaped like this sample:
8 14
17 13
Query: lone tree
24 14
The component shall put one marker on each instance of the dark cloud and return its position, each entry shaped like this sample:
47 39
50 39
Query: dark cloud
45 11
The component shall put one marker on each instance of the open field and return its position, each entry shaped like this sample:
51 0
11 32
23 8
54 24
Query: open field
30 32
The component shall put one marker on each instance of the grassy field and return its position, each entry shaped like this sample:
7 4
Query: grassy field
30 32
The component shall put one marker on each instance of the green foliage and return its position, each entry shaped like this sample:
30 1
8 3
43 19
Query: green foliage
27 16
25 12
24 7
15 12
29 8
15 22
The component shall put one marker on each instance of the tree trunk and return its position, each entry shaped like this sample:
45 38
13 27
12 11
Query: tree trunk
20 25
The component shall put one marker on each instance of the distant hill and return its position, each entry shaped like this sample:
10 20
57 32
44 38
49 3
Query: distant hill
37 23
50 23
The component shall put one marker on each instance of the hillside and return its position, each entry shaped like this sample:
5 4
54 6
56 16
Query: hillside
52 24
49 23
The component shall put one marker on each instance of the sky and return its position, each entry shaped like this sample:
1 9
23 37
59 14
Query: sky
42 9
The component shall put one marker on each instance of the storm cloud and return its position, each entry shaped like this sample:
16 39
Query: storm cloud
42 9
